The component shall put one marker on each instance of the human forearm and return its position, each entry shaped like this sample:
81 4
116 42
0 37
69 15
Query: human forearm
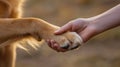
107 20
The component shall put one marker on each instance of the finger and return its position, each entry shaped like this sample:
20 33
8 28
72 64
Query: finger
52 43
61 49
49 43
55 45
63 29
58 48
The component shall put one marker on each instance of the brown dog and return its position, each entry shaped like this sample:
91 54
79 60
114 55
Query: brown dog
16 30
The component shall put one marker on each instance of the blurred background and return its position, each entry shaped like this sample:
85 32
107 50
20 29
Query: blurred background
101 51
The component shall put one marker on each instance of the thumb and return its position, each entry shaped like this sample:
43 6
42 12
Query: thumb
63 29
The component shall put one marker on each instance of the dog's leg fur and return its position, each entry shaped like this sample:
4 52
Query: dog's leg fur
8 9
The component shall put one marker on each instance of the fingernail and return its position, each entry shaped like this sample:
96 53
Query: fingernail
53 41
55 45
47 40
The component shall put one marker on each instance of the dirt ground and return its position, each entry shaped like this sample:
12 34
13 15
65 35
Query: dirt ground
101 51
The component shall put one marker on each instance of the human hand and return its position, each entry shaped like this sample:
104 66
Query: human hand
81 26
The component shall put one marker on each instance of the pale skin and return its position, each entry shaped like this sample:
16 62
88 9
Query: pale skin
89 27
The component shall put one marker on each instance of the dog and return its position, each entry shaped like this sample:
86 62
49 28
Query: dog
17 31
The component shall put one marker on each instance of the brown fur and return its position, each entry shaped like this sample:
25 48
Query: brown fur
17 30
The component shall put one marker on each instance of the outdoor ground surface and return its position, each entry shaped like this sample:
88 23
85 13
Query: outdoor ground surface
101 51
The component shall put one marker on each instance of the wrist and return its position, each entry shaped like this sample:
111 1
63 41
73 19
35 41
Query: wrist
90 29
93 26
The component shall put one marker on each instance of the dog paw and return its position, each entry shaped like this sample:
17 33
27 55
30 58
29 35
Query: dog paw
65 42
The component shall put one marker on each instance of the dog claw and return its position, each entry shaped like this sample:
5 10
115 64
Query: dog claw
66 46
75 46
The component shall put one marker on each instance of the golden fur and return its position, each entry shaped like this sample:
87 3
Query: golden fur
16 30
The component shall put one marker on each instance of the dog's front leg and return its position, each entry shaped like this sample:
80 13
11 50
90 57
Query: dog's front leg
37 28
10 28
